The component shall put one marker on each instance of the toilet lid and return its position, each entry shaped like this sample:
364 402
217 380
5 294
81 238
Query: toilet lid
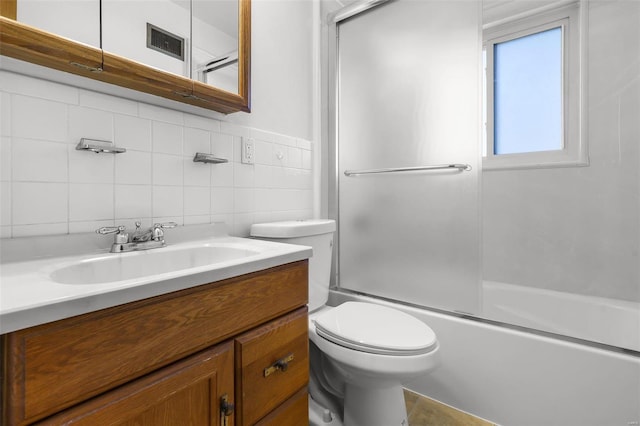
375 329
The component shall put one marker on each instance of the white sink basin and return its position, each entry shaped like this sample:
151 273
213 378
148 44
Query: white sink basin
121 267
48 278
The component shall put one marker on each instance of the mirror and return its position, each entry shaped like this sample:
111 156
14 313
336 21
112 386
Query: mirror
77 20
215 43
152 32
191 51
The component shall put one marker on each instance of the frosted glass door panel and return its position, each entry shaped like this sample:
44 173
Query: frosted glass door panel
408 96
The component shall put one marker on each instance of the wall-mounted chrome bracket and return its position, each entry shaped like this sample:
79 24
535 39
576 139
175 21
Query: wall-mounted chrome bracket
98 146
201 157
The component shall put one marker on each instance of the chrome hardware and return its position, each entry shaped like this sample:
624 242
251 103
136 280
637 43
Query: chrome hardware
110 229
149 239
219 62
282 365
165 225
121 236
98 146
158 233
353 9
201 157
226 409
140 236
136 246
155 233
459 167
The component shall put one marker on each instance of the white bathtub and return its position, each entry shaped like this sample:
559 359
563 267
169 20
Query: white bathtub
515 378
598 319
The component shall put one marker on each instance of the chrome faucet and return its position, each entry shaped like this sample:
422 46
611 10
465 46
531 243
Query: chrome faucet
140 240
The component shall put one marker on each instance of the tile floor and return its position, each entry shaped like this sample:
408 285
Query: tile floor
423 411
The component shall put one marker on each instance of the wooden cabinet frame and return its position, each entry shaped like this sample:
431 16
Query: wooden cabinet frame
33 45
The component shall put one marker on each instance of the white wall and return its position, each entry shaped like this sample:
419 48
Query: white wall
578 229
282 52
47 187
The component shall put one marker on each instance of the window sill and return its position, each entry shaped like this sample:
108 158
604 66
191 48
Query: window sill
536 160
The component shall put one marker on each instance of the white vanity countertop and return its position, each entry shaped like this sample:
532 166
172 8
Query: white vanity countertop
29 295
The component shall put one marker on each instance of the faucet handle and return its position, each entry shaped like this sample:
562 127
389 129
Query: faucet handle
165 225
121 236
110 230
158 233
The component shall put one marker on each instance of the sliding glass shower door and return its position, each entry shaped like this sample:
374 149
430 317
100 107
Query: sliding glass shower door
408 96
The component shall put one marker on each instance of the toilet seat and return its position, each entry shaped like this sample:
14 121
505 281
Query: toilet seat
375 329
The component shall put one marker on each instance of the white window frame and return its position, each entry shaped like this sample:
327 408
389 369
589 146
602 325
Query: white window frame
574 151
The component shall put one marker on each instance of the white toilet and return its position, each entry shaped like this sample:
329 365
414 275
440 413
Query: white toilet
361 353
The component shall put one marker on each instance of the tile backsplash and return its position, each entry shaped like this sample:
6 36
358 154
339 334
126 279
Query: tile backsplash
48 187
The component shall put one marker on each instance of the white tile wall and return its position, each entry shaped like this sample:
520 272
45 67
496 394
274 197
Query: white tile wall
47 187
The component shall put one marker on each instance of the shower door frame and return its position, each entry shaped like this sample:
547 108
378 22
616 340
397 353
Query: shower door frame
333 20
333 170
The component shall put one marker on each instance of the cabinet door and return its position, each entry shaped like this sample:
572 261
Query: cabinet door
272 366
188 392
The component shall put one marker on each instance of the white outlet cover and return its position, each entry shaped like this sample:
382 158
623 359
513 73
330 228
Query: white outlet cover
248 151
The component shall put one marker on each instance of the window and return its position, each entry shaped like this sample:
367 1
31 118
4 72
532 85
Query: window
527 93
533 92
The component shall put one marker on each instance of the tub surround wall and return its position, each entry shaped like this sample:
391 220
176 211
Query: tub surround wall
603 320
577 229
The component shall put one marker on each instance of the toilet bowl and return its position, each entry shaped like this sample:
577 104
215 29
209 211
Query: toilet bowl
374 350
361 353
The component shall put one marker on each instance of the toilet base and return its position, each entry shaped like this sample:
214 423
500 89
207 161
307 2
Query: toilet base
370 406
322 416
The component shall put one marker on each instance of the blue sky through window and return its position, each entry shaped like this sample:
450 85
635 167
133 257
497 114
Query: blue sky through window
528 93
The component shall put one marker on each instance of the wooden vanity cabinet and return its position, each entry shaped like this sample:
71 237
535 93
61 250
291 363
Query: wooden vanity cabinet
196 356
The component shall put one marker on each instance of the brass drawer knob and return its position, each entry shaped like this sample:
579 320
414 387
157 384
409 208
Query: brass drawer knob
282 364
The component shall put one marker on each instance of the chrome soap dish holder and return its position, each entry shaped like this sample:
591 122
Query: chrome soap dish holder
98 146
201 157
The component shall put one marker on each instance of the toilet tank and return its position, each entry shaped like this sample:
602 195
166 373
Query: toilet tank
316 233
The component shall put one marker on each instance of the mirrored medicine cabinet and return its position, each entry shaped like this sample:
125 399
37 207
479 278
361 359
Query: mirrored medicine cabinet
191 51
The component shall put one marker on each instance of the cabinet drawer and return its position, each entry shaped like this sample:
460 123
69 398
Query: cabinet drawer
54 366
261 385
